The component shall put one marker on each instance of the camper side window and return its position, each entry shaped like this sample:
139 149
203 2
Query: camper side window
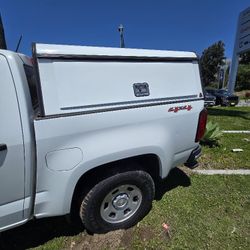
29 71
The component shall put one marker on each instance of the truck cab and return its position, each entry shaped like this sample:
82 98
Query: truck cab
17 146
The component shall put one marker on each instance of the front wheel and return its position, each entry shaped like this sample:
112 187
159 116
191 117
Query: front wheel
117 202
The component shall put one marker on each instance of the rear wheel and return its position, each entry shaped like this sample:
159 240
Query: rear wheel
119 201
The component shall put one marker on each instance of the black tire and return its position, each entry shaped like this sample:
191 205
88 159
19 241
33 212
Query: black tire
92 204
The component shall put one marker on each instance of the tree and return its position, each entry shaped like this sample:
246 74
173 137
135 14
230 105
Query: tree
2 36
243 77
211 60
245 58
243 74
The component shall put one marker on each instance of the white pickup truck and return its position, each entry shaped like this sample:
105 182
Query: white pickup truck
89 131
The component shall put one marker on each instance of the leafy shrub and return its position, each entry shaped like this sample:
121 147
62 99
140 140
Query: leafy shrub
243 77
212 135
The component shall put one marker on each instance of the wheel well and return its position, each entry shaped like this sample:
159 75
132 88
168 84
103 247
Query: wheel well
150 163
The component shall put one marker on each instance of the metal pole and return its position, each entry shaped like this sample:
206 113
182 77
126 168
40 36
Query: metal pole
233 72
121 30
241 44
234 63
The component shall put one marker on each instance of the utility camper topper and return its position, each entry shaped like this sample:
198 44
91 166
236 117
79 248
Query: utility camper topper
91 131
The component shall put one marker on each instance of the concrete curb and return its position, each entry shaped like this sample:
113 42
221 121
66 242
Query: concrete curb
236 131
223 172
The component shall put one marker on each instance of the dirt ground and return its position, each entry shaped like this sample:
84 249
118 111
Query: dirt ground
112 240
120 239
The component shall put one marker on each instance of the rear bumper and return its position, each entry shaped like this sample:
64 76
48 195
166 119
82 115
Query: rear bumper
192 160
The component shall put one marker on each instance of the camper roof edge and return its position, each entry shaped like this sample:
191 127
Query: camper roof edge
52 50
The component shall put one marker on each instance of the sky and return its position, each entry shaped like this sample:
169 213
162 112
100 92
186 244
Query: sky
190 25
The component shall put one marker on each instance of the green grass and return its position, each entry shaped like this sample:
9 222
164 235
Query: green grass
230 118
212 213
222 157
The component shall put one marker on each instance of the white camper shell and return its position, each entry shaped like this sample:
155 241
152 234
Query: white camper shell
88 79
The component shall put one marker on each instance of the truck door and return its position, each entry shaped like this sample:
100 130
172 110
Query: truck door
11 151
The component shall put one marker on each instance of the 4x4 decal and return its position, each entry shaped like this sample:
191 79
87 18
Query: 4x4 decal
178 108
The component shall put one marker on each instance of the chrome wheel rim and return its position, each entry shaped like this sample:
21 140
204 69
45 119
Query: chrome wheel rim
121 203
